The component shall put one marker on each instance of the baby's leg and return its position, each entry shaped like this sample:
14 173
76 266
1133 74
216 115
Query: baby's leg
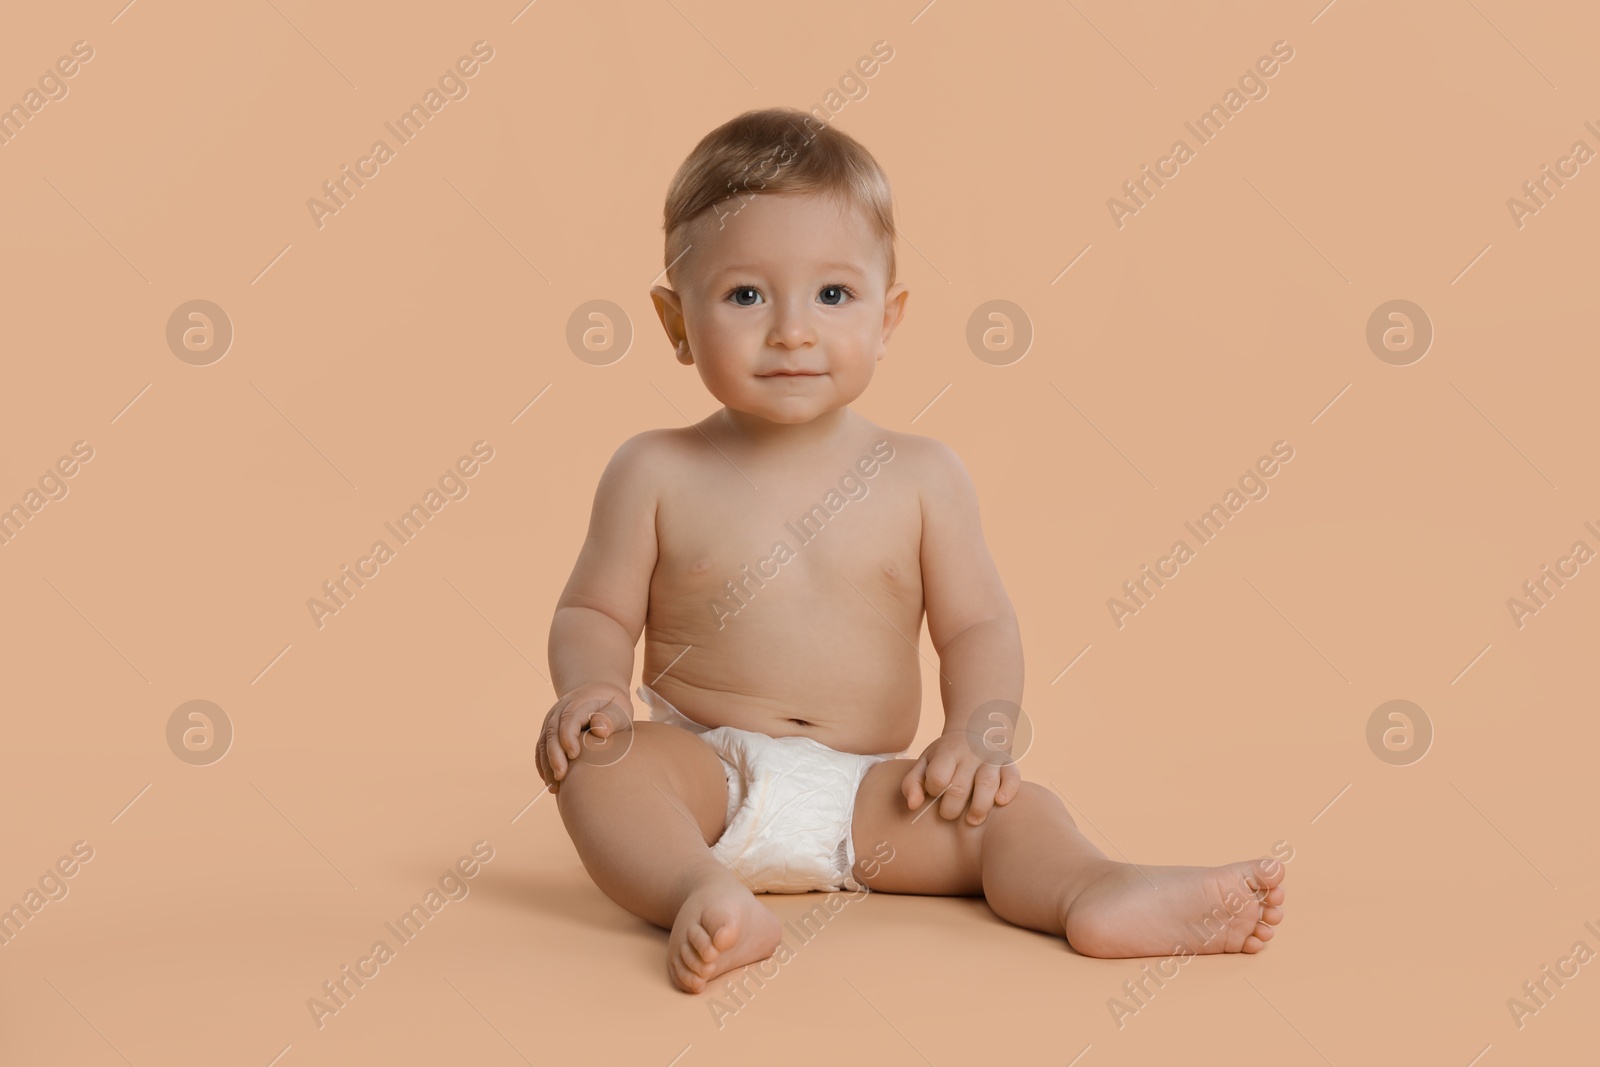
1037 870
643 823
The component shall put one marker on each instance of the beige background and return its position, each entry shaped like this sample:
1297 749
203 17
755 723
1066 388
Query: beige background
369 354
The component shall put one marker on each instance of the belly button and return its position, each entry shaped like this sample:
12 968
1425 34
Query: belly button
700 566
802 722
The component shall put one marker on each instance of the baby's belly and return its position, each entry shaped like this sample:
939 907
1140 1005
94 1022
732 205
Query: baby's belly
846 678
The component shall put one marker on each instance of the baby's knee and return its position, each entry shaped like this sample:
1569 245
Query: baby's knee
598 776
645 752
1036 799
634 748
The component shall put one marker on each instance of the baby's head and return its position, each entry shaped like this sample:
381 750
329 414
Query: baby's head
780 257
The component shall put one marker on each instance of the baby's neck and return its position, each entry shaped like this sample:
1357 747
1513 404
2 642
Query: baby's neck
757 432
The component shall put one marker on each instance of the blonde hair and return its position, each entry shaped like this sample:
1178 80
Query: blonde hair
776 150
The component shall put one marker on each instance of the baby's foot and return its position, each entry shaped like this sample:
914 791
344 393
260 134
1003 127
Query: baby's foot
721 926
1161 911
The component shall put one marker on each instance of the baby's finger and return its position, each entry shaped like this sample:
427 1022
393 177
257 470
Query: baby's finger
941 771
911 784
953 797
573 720
984 785
547 774
552 748
610 718
1010 783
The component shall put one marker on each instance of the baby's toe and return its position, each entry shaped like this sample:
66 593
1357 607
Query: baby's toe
690 958
684 977
1272 916
1268 872
723 925
702 942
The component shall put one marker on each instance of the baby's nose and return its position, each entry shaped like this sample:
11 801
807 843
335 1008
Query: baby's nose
793 327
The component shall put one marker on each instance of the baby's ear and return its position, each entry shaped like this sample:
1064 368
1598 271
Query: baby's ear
894 309
669 308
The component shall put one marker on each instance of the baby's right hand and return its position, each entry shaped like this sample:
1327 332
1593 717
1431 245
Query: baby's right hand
599 707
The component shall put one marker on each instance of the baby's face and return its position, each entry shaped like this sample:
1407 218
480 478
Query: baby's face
788 283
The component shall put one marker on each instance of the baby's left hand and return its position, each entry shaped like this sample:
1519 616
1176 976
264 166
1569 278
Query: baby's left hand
952 767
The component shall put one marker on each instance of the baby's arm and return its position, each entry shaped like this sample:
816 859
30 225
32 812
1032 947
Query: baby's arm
602 611
974 631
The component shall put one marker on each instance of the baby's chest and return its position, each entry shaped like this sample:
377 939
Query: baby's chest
797 548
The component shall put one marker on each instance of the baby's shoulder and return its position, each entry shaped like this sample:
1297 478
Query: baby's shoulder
943 486
656 451
641 466
927 459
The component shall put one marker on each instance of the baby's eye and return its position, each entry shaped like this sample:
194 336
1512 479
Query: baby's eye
737 292
843 291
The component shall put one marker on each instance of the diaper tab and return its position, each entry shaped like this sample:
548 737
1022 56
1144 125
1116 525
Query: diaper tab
661 710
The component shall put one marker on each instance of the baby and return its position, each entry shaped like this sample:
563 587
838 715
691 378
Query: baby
778 557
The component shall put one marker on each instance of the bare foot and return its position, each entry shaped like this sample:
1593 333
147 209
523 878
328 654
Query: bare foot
1163 911
720 926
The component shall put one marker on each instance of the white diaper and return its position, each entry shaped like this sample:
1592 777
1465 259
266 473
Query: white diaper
790 802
